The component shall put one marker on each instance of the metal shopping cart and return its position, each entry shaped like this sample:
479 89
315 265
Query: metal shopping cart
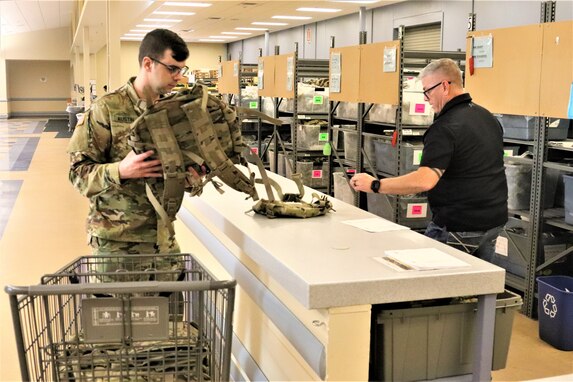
125 318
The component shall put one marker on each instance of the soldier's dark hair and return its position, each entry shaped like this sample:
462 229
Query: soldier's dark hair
158 40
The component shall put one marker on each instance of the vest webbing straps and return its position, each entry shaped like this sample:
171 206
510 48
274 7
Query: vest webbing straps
210 148
172 163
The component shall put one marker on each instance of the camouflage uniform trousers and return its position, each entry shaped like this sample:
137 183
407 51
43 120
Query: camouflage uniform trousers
161 267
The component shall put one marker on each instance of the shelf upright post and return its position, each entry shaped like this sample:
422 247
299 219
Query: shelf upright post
360 119
398 128
331 111
294 126
537 190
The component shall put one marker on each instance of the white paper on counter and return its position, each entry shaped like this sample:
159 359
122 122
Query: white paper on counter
375 225
424 259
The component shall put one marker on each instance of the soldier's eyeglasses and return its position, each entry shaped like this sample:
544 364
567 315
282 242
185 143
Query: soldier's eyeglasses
427 91
174 70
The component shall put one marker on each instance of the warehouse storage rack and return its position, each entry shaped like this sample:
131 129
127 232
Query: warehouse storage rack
282 74
386 87
132 317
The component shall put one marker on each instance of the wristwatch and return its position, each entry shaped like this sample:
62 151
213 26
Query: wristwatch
375 186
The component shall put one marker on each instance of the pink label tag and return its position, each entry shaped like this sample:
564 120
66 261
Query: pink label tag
420 108
255 150
417 209
316 174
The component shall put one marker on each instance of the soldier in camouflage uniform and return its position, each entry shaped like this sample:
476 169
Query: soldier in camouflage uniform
104 168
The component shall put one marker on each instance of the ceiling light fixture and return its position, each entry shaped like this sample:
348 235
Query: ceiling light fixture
323 10
153 26
131 38
292 17
223 37
140 30
356 1
174 13
163 20
237 33
252 29
211 40
134 35
268 23
186 4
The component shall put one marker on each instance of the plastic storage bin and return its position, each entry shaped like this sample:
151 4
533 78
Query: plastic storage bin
387 155
518 255
350 144
413 210
555 311
311 137
342 190
523 127
519 186
314 174
568 204
422 343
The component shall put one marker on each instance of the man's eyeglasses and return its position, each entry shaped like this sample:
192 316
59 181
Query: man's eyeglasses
427 91
174 70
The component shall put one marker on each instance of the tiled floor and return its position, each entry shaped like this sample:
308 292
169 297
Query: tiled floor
42 221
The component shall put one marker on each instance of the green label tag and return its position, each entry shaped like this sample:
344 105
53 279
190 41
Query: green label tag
508 153
253 105
318 100
417 157
322 137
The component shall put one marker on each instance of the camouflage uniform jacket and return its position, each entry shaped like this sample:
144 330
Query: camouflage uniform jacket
119 209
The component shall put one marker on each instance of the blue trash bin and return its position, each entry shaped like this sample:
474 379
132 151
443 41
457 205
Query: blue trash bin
555 311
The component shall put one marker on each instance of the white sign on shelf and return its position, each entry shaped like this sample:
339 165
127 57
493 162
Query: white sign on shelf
389 60
335 63
482 51
236 69
261 71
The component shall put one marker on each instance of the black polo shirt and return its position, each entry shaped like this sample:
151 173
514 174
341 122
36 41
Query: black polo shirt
466 141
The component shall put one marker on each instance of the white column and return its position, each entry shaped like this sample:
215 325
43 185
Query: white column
4 106
113 35
86 77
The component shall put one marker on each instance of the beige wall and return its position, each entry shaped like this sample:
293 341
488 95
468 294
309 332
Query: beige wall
37 87
50 44
54 46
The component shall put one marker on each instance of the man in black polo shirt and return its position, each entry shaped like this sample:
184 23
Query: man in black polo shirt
461 168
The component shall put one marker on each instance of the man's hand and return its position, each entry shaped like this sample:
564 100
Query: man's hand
362 182
136 166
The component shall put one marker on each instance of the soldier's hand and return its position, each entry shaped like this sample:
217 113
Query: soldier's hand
137 166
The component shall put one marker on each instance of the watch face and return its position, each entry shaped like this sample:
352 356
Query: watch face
375 186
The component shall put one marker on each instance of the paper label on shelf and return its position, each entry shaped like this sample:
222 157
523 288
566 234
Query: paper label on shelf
318 100
501 246
570 107
289 82
389 60
334 82
236 69
323 137
335 63
417 157
482 48
220 71
419 108
417 210
253 105
255 150
316 174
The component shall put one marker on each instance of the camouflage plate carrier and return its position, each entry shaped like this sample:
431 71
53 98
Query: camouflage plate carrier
194 129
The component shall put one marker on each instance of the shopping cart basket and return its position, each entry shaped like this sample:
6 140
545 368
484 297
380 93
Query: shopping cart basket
125 318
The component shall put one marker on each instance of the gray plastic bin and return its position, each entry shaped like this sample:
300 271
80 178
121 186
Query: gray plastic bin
568 181
519 186
413 210
432 342
523 127
387 155
342 189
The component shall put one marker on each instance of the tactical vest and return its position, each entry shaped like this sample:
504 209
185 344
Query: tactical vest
194 129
